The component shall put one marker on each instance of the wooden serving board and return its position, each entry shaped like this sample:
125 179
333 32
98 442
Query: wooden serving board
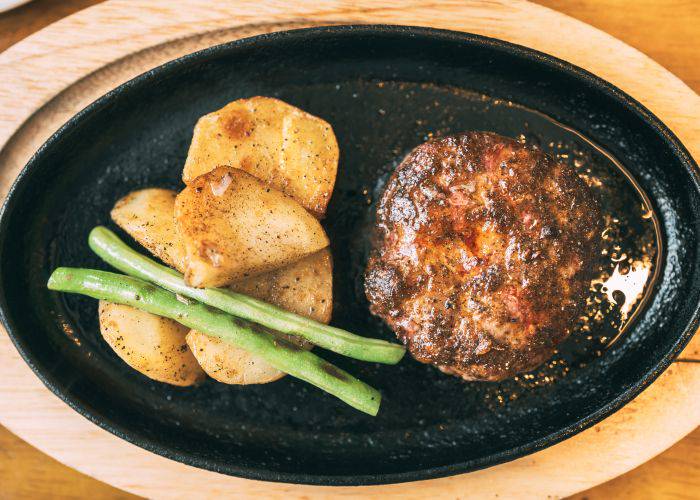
54 73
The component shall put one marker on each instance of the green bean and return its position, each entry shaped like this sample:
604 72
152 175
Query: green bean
118 254
281 354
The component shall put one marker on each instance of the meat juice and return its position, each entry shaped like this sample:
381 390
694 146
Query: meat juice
631 251
631 239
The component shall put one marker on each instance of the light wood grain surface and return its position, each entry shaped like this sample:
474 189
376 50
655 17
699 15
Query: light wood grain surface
667 31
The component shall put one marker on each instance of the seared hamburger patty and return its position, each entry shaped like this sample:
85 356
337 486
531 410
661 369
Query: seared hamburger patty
484 252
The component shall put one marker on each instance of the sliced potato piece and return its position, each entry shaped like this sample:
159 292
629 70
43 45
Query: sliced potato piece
304 287
148 216
229 364
294 151
150 344
234 226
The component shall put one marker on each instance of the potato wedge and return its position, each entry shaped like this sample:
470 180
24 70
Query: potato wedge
148 216
229 364
152 345
294 151
234 226
304 287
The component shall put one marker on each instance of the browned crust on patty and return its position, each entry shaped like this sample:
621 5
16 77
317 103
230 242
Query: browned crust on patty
484 251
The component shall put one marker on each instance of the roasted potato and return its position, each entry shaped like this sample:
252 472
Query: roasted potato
234 226
152 345
148 216
304 287
229 364
293 151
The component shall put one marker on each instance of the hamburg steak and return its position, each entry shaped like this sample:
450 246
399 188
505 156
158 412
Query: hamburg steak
484 252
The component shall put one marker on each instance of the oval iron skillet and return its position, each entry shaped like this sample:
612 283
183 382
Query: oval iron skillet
430 425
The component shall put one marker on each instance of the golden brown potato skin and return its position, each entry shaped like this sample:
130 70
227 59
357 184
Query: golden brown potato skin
283 147
234 226
304 287
151 345
148 216
228 364
293 151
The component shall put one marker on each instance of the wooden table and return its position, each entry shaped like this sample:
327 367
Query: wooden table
668 31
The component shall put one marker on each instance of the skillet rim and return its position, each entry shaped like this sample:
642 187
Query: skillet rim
367 30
